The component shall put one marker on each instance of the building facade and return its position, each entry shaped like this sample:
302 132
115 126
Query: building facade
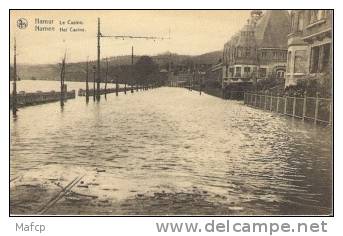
188 75
214 75
309 45
258 50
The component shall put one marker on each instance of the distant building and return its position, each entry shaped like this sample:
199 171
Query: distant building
258 50
214 75
309 44
183 78
183 74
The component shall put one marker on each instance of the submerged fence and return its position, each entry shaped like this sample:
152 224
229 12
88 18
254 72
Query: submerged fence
316 109
28 99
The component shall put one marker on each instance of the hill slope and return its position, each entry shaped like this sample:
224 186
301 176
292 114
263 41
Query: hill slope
77 71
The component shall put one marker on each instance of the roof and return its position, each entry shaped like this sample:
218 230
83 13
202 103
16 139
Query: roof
246 37
272 29
232 41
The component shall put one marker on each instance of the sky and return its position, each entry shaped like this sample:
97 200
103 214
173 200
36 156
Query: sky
192 32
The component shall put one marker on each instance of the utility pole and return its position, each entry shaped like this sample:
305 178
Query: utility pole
94 78
100 35
132 79
117 86
106 77
14 93
62 80
169 71
87 87
191 78
199 81
98 64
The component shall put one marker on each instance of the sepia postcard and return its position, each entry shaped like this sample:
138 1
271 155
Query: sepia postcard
171 112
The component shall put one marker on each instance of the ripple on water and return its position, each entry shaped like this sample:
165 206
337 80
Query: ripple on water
177 139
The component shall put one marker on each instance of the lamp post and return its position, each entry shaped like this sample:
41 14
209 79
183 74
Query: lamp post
87 88
98 63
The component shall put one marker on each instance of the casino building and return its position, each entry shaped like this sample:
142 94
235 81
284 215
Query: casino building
258 50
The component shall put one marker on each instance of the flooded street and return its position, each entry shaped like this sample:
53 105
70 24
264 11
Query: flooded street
167 151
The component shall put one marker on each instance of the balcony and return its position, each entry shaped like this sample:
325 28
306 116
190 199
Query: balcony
239 78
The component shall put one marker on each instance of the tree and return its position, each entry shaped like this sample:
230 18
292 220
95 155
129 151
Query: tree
146 70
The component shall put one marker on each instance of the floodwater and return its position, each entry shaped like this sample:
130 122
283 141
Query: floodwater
168 151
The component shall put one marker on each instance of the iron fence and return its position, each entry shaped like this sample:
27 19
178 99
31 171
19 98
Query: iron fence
316 109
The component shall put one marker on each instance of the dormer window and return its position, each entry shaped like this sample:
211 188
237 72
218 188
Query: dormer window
247 52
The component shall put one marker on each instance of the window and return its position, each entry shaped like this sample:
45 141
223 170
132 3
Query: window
320 58
247 52
246 69
263 54
231 70
263 72
226 71
280 74
275 55
238 71
283 55
314 59
325 57
300 61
